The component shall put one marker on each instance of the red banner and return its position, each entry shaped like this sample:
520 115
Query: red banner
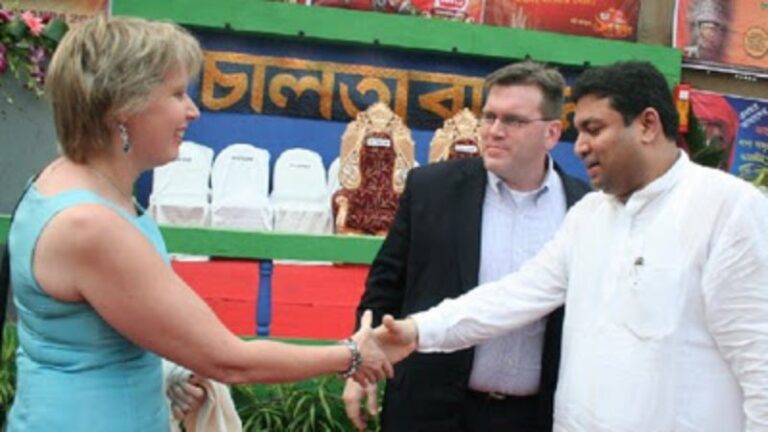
463 10
723 34
610 19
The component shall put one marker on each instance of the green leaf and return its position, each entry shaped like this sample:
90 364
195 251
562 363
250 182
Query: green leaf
762 178
324 404
17 29
696 140
55 30
710 156
7 370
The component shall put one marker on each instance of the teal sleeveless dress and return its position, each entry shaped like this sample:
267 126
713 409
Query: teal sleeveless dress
74 371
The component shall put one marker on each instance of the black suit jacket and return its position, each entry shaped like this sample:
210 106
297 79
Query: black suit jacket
432 252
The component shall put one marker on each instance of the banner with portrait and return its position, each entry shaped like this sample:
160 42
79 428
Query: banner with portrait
723 35
738 125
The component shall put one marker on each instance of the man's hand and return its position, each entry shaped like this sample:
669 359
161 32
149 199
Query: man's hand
397 338
376 365
353 396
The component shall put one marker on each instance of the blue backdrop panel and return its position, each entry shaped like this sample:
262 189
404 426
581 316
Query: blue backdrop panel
424 88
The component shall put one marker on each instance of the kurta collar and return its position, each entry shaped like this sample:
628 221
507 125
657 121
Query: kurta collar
656 188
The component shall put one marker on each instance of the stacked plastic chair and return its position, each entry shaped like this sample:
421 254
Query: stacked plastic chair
299 195
180 188
333 177
240 185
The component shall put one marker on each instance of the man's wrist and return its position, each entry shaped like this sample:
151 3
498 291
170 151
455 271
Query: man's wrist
421 330
415 332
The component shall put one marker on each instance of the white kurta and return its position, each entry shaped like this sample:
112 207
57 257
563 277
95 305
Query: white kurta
666 325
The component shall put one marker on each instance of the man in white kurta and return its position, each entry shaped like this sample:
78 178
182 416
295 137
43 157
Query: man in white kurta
664 274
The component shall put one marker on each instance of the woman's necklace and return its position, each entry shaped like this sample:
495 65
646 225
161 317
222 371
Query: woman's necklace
106 179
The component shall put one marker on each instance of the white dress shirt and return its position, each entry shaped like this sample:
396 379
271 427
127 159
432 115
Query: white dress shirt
515 226
666 324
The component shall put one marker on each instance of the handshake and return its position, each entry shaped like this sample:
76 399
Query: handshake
379 349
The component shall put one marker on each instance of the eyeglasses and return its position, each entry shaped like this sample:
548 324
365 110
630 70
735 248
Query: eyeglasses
510 121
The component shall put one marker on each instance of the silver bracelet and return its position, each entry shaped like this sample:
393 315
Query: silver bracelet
357 358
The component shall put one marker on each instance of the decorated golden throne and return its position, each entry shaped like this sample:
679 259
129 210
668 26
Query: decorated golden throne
458 138
376 154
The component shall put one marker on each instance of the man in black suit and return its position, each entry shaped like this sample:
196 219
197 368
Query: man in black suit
467 221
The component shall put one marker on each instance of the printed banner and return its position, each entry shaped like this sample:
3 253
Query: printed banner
609 19
251 83
739 125
723 34
330 90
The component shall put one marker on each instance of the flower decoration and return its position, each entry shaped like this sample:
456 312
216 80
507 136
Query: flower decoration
27 41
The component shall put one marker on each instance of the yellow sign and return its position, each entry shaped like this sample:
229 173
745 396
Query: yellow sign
234 81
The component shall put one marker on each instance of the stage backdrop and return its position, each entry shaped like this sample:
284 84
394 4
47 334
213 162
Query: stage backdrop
728 35
278 94
738 124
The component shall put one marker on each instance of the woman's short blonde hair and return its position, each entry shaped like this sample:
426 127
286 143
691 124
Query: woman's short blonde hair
106 67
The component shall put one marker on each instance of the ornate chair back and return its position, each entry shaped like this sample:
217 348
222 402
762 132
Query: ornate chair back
376 154
458 138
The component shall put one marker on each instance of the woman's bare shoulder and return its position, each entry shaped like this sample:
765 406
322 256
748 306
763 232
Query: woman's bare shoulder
61 176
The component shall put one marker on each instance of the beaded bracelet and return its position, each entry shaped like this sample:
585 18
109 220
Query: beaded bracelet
357 358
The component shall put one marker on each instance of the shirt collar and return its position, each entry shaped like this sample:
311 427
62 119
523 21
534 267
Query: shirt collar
495 183
659 186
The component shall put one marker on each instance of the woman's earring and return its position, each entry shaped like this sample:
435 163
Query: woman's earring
124 137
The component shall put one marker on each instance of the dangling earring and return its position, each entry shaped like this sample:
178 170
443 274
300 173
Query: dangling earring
123 131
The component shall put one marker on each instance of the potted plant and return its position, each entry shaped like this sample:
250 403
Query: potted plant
27 41
7 371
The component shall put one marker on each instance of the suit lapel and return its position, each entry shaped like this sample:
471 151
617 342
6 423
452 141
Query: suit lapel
573 189
469 192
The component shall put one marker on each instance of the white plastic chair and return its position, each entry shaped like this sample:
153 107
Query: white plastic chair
299 195
180 188
333 177
240 183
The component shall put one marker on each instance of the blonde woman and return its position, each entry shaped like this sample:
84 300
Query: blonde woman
97 301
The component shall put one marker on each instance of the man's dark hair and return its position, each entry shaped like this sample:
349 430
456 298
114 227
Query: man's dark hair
547 79
631 87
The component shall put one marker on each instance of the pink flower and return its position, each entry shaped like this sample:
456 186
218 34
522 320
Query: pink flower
34 23
3 59
5 16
